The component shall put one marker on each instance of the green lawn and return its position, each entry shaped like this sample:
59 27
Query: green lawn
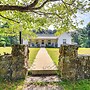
32 54
54 53
84 50
5 49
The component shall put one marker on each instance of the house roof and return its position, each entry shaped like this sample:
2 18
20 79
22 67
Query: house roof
49 36
44 31
46 36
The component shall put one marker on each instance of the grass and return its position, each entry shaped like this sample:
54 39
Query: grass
84 51
11 85
67 85
54 53
32 54
76 85
5 49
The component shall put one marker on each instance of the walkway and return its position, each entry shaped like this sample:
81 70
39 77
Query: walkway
43 63
43 70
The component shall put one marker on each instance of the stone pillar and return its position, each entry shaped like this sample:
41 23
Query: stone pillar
14 66
20 54
83 67
5 67
67 59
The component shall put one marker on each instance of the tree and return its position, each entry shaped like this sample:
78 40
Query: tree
35 14
7 38
82 36
88 30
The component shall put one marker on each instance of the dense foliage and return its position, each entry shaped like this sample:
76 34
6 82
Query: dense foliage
26 15
36 14
82 36
7 38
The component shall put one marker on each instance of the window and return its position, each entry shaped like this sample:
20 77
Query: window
42 41
64 41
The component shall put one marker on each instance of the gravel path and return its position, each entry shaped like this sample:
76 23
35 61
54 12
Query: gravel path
42 83
43 64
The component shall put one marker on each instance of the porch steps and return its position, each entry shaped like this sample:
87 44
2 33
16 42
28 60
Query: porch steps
43 72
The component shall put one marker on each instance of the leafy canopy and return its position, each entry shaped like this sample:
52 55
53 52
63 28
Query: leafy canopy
39 14
82 36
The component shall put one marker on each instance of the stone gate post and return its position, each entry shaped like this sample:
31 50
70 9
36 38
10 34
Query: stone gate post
20 54
67 58
14 66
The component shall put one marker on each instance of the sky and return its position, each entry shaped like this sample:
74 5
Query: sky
85 17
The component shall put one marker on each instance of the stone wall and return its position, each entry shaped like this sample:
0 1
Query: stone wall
14 66
83 67
71 65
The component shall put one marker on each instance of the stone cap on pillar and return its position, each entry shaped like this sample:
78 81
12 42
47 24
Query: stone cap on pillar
19 49
69 50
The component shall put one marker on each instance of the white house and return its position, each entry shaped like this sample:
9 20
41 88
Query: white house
64 38
50 40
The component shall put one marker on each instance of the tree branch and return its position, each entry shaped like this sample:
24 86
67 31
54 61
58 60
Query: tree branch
41 5
34 3
8 7
44 4
24 8
9 19
18 8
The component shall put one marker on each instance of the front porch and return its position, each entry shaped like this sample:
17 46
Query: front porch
43 43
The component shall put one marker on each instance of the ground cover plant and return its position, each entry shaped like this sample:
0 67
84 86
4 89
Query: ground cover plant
11 85
76 85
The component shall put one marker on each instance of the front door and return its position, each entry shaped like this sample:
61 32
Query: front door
42 45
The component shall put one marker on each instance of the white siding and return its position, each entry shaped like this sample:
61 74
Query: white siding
64 36
25 42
